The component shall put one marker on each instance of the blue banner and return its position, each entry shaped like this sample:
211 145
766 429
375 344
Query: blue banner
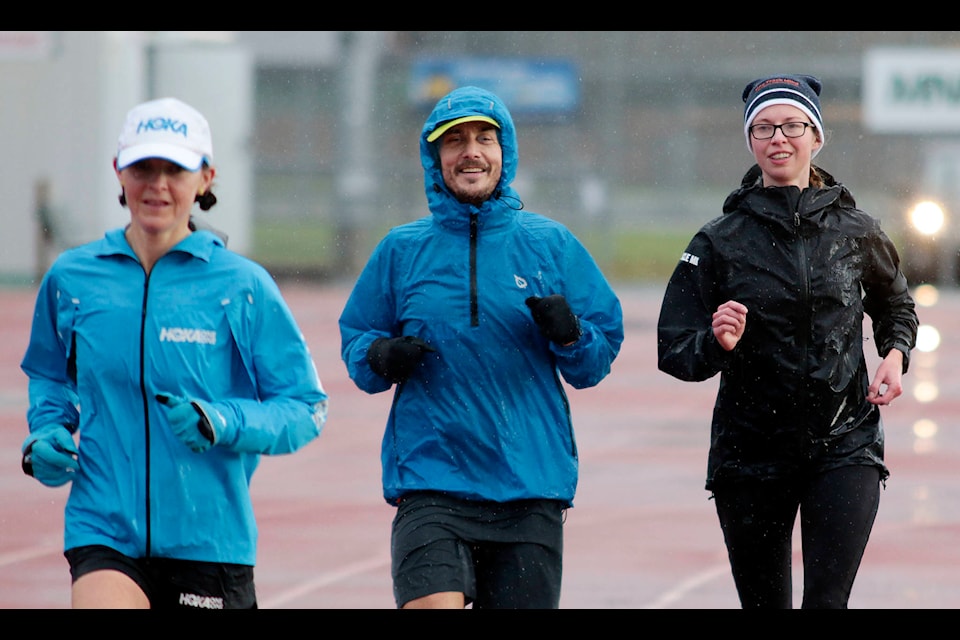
530 87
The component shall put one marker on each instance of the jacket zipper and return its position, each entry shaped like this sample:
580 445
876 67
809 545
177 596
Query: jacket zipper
805 299
474 311
146 412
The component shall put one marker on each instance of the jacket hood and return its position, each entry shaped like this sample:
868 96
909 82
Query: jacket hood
772 202
754 175
468 101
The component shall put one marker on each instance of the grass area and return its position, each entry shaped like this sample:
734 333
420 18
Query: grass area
299 246
628 255
292 243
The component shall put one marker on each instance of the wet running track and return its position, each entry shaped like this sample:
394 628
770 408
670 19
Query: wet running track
642 535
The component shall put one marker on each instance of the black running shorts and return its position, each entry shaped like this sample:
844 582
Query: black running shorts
170 583
506 555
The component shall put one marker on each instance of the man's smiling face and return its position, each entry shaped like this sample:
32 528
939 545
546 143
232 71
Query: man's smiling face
471 161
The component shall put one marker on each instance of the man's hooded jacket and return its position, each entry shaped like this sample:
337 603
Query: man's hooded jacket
485 416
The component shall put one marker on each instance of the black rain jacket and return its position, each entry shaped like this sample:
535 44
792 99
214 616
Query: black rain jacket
792 393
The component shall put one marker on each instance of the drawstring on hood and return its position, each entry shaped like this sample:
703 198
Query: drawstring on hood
519 203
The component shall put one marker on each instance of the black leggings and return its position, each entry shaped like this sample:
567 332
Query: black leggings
837 510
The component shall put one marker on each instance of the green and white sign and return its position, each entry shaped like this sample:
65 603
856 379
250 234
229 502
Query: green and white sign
911 90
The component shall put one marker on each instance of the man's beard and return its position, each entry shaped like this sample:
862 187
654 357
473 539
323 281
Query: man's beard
474 198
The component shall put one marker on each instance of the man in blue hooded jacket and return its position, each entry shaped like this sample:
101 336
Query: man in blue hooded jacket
478 313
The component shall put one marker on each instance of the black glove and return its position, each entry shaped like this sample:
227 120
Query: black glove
555 319
395 358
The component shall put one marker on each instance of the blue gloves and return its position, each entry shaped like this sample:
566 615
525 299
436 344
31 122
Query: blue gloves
50 455
195 423
555 319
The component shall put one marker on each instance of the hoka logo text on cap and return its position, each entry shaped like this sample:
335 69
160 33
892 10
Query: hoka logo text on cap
166 129
163 124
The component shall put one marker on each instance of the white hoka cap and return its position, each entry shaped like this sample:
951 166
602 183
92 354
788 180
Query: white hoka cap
168 129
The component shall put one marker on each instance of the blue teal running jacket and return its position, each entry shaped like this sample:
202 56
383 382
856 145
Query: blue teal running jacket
206 324
486 416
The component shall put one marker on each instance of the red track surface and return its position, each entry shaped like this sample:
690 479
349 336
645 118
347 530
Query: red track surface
642 535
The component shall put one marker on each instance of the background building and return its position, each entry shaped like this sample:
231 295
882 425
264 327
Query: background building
315 133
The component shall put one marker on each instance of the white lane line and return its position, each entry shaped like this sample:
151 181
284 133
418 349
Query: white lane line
681 590
325 580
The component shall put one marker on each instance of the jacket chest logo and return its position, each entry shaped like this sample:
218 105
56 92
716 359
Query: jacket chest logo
196 336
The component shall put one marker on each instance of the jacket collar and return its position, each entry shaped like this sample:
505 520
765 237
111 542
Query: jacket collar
782 203
200 244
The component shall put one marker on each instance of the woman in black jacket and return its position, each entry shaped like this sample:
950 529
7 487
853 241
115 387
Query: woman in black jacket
771 295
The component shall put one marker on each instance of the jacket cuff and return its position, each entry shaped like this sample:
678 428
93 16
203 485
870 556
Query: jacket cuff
906 354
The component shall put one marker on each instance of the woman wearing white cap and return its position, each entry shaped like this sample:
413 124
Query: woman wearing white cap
162 366
772 296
